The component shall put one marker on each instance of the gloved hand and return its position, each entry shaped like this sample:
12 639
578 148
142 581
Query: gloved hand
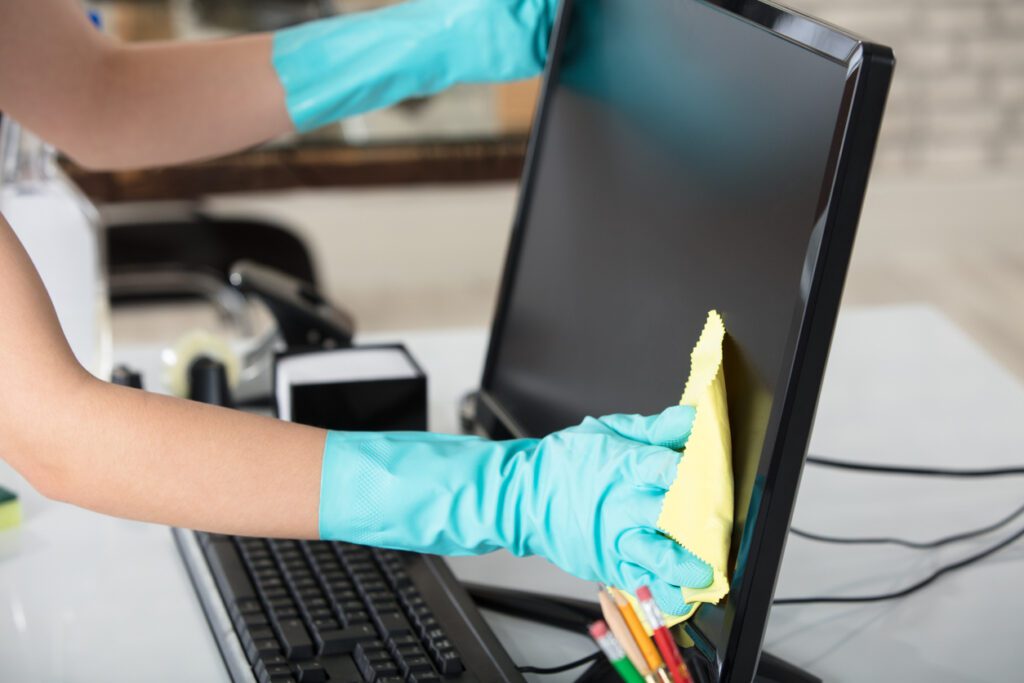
351 64
586 498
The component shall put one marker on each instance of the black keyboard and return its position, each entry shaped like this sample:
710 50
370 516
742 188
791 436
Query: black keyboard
311 611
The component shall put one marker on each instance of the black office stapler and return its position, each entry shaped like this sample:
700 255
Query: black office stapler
306 320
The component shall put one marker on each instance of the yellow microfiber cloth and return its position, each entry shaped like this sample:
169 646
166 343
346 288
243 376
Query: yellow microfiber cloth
10 509
698 508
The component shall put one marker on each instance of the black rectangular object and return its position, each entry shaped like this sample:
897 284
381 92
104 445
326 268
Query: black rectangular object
379 404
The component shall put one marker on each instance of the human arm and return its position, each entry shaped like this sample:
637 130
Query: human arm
111 105
135 454
586 498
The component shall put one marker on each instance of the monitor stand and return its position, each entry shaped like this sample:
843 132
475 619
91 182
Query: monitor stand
575 615
771 669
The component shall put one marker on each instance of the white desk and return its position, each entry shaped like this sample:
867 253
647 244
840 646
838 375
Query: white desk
85 597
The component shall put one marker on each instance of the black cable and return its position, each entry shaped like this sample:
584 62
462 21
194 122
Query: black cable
915 471
960 564
593 657
939 542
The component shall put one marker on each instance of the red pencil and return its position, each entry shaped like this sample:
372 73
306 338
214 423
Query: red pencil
666 644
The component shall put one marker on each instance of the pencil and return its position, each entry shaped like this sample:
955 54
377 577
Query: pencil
647 647
666 643
613 650
622 633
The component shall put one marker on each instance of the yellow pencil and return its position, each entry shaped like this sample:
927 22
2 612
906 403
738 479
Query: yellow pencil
647 647
621 631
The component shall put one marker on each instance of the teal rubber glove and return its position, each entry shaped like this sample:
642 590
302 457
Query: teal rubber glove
586 498
351 64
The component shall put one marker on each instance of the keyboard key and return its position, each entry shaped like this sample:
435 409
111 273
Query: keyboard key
366 669
371 586
276 594
326 624
399 578
382 599
402 641
344 641
270 672
449 663
380 672
441 644
391 623
318 611
310 672
408 652
415 665
430 631
258 633
369 649
261 649
311 593
261 564
285 613
356 618
344 595
281 603
295 639
411 600
269 571
270 583
425 677
229 572
303 583
244 608
341 669
272 660
253 620
317 606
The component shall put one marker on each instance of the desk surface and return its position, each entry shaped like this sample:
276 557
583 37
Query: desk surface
85 597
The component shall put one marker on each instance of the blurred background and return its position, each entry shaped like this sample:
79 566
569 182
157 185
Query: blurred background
406 212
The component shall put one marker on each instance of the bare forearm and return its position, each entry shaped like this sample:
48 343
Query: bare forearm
134 454
122 106
144 456
174 102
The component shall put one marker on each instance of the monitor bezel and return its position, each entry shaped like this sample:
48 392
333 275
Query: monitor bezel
869 73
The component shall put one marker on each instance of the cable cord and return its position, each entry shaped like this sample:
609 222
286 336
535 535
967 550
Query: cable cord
918 545
568 666
913 588
913 471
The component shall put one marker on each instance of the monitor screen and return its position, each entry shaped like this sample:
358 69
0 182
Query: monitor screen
682 162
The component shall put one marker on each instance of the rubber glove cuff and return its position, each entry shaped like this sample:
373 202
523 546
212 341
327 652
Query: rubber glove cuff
434 493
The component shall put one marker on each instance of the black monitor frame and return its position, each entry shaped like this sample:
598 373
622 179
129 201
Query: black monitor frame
869 73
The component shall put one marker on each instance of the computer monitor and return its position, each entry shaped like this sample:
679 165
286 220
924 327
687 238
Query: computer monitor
689 155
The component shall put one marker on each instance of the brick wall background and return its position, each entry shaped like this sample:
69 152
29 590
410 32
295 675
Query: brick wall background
957 102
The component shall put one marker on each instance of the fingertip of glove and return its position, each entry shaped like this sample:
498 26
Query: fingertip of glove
655 466
671 429
698 574
670 599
